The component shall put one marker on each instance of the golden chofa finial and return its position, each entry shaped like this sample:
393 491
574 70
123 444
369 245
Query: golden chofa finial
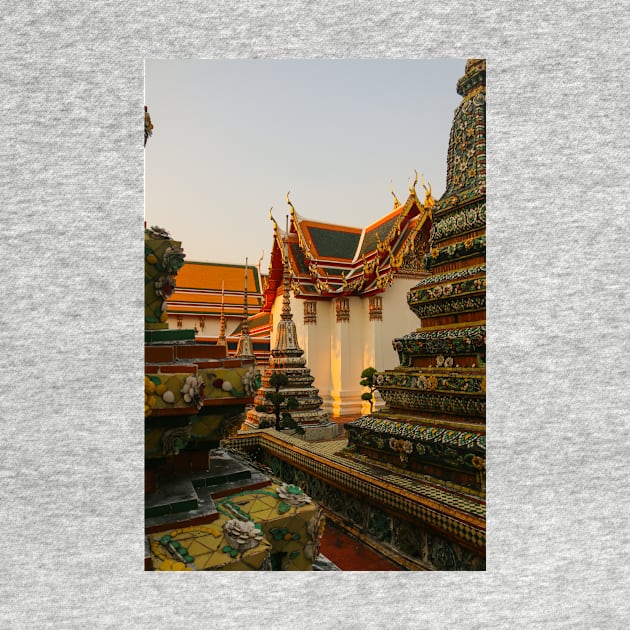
293 213
259 265
412 188
276 229
391 190
429 202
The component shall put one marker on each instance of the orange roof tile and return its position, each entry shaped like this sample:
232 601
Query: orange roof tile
208 275
214 298
198 289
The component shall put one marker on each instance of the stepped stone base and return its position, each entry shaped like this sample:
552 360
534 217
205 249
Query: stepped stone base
187 500
417 522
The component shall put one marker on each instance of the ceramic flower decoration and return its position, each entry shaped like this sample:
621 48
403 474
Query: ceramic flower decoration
242 535
293 495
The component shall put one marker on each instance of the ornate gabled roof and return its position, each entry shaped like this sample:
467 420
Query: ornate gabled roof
211 275
328 260
200 286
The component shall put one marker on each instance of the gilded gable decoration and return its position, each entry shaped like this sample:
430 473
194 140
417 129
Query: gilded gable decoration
429 202
412 188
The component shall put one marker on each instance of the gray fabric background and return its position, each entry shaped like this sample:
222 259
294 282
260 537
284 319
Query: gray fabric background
71 173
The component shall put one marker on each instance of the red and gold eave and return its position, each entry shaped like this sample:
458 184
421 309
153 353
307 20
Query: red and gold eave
368 263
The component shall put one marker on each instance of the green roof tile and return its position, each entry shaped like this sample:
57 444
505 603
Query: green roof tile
334 243
369 241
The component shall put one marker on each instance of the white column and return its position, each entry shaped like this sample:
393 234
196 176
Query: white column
314 340
346 357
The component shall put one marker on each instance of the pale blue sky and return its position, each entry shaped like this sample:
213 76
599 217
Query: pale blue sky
232 137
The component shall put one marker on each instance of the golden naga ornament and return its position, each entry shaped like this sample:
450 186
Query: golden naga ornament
429 202
412 188
293 213
391 190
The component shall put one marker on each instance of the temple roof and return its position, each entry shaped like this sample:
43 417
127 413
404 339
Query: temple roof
211 275
199 287
328 260
297 256
380 229
331 241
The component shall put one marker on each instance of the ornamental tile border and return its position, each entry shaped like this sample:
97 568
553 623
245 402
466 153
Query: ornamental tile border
446 403
459 221
450 306
426 433
432 380
450 275
388 529
472 194
446 290
454 514
455 251
449 341
462 455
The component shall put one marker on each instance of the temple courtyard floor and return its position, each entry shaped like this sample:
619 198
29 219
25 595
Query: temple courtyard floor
345 553
345 546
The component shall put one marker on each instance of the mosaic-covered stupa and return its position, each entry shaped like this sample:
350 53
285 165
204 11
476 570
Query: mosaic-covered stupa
434 421
288 358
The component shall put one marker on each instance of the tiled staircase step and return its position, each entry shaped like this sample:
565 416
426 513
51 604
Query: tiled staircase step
177 503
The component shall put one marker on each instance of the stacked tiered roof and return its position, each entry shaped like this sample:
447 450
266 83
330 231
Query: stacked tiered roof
328 261
210 298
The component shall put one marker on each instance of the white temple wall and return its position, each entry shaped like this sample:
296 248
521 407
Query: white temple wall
337 352
313 339
373 347
398 320
346 359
